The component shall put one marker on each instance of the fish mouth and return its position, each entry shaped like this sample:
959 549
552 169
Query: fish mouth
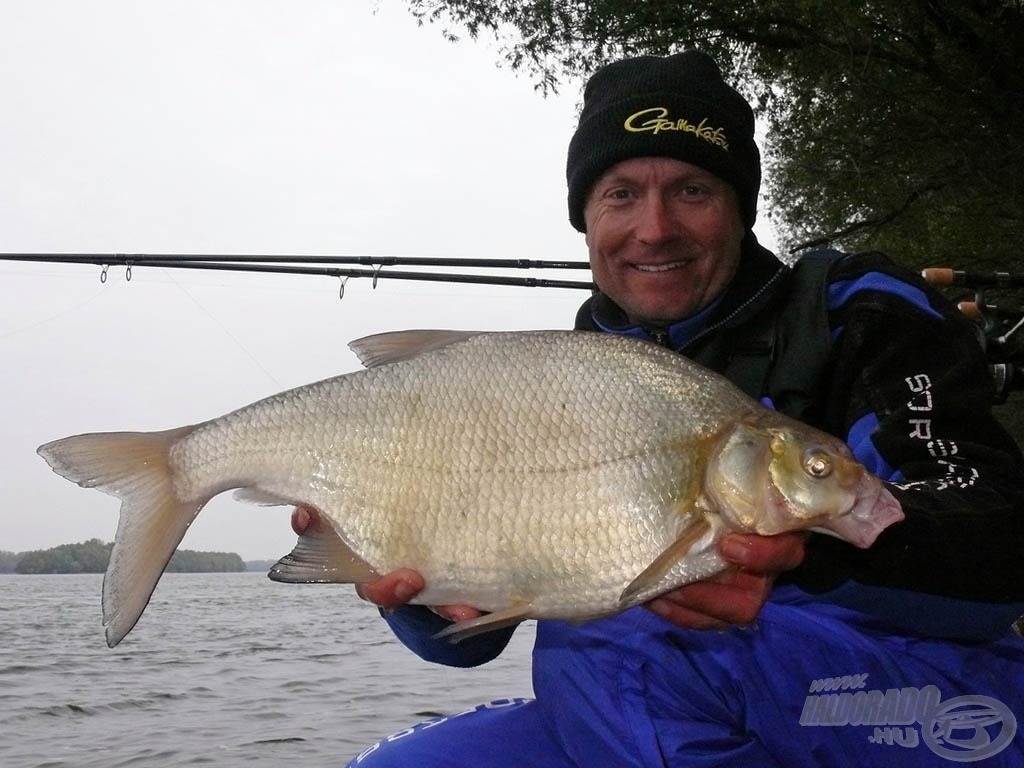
874 511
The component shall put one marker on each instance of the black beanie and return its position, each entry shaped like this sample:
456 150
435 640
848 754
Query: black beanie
674 106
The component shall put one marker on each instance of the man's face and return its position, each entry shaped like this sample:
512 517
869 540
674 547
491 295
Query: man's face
664 237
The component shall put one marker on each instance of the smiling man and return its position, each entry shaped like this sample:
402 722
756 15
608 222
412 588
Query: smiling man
824 654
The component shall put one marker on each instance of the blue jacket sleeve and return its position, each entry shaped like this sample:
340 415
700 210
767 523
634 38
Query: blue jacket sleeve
416 625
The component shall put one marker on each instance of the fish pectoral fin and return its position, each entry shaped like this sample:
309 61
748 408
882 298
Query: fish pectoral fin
488 622
395 346
663 563
321 557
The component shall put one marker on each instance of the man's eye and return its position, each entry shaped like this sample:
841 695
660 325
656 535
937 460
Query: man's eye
619 193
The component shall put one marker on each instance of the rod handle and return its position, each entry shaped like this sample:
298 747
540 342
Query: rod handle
939 275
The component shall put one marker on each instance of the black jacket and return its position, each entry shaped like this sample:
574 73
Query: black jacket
862 349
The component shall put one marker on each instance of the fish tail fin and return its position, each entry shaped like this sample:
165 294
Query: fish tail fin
134 467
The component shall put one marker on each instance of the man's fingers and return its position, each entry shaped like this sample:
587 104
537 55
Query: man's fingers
455 612
393 589
305 520
399 587
301 519
763 554
732 597
681 616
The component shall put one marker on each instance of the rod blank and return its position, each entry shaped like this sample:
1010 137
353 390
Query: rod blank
304 265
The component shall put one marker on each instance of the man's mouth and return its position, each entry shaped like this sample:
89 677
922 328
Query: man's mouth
659 267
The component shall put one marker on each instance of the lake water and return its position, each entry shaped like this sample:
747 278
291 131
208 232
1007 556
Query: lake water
222 670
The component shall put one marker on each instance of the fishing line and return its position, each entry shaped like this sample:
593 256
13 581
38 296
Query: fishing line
66 311
226 330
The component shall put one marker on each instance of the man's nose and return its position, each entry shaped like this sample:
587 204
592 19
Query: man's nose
656 222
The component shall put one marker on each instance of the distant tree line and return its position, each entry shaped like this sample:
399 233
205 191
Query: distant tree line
92 556
188 561
8 561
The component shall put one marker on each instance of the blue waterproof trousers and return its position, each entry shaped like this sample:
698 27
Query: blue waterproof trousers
811 684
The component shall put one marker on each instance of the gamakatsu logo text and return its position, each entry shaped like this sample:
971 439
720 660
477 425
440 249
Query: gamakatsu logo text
962 729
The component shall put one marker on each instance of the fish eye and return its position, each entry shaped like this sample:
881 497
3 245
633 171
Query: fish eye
817 463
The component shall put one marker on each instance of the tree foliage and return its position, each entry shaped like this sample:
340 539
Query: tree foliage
88 557
8 561
891 124
188 561
92 556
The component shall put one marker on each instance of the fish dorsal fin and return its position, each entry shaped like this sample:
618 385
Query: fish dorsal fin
664 562
395 346
322 557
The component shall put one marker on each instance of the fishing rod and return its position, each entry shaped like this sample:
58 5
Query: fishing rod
302 265
1000 327
944 276
999 322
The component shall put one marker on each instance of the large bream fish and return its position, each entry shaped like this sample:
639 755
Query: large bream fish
552 474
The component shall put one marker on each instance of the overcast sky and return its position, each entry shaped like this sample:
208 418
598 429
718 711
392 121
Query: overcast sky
243 126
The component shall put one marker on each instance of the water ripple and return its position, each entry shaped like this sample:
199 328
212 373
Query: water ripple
224 669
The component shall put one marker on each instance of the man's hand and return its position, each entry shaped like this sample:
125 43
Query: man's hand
736 595
392 589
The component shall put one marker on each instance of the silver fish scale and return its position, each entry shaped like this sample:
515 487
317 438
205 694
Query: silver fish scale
547 467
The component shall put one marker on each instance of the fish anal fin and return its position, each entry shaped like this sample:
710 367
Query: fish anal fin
663 563
395 346
488 622
321 557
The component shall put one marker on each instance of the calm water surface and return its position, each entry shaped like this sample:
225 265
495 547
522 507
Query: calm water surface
222 670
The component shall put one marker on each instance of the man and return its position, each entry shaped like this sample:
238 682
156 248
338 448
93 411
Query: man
823 654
